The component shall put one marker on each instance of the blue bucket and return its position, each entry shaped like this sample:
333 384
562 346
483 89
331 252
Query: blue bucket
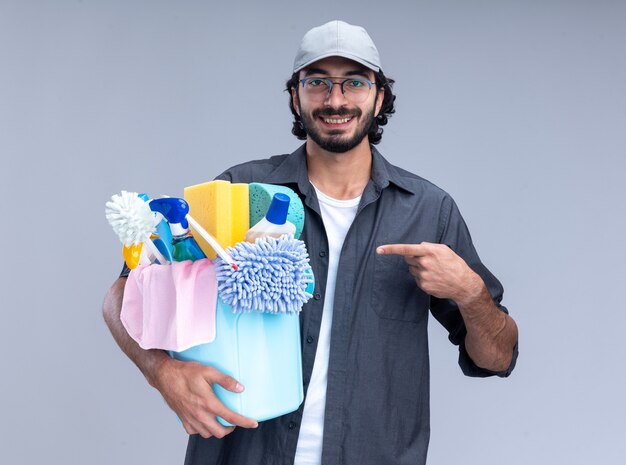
260 350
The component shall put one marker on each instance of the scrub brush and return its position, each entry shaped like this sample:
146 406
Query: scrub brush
134 223
130 217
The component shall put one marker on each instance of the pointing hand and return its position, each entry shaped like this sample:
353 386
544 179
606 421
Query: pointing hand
438 270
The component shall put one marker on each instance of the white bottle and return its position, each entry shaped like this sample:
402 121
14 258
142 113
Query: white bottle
275 223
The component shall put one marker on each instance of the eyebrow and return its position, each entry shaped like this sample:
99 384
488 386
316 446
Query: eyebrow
355 72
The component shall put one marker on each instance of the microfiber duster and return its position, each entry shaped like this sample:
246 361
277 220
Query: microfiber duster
272 277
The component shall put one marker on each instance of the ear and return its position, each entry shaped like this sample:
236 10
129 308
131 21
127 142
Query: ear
294 100
379 100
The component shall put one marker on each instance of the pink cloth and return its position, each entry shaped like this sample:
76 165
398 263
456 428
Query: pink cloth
171 307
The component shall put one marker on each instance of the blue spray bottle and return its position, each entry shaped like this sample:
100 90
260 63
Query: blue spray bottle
175 211
162 238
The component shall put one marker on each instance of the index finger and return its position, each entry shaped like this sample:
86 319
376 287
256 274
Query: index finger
234 418
406 250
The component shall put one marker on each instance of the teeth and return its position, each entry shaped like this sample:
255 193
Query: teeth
337 121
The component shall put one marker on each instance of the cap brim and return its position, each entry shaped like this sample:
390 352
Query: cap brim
349 56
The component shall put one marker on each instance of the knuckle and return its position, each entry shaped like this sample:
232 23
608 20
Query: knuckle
209 405
219 434
214 406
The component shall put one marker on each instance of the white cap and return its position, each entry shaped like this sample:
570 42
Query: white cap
337 38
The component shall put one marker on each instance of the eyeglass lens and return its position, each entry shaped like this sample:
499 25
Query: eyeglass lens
355 90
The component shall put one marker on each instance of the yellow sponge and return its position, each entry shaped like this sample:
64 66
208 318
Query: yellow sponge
222 209
240 204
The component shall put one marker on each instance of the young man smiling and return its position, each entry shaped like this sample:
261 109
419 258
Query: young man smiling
343 107
336 121
386 246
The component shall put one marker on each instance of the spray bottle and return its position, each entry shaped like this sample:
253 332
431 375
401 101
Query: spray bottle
162 237
175 212
275 223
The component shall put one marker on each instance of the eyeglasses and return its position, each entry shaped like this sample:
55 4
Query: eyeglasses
319 88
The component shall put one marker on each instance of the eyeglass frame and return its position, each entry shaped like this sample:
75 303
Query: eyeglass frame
331 83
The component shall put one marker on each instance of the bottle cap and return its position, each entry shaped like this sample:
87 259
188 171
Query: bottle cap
277 213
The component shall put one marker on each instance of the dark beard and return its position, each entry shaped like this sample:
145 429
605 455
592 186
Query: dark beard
334 143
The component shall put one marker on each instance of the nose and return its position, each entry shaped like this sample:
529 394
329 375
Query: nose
335 97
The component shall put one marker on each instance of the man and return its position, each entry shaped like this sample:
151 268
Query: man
385 246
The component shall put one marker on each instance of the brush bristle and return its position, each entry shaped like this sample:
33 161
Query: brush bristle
272 276
130 217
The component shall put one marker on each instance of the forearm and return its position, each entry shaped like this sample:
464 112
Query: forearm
147 361
491 333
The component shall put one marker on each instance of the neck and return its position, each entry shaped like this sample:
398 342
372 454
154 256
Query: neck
342 176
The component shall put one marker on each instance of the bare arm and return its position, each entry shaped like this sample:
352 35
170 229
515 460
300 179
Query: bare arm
438 271
147 361
185 386
491 333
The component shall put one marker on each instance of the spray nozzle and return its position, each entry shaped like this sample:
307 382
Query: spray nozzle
173 209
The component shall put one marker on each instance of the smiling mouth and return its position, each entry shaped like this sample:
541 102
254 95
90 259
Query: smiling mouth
337 120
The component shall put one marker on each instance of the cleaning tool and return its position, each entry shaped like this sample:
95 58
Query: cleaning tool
262 352
134 223
222 209
274 223
171 307
175 210
162 239
258 337
211 240
273 276
248 324
240 204
261 196
130 217
132 255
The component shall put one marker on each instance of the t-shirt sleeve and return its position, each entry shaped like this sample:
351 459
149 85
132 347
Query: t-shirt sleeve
125 271
225 176
454 233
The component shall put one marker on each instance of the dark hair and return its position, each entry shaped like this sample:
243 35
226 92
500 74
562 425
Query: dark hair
375 133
